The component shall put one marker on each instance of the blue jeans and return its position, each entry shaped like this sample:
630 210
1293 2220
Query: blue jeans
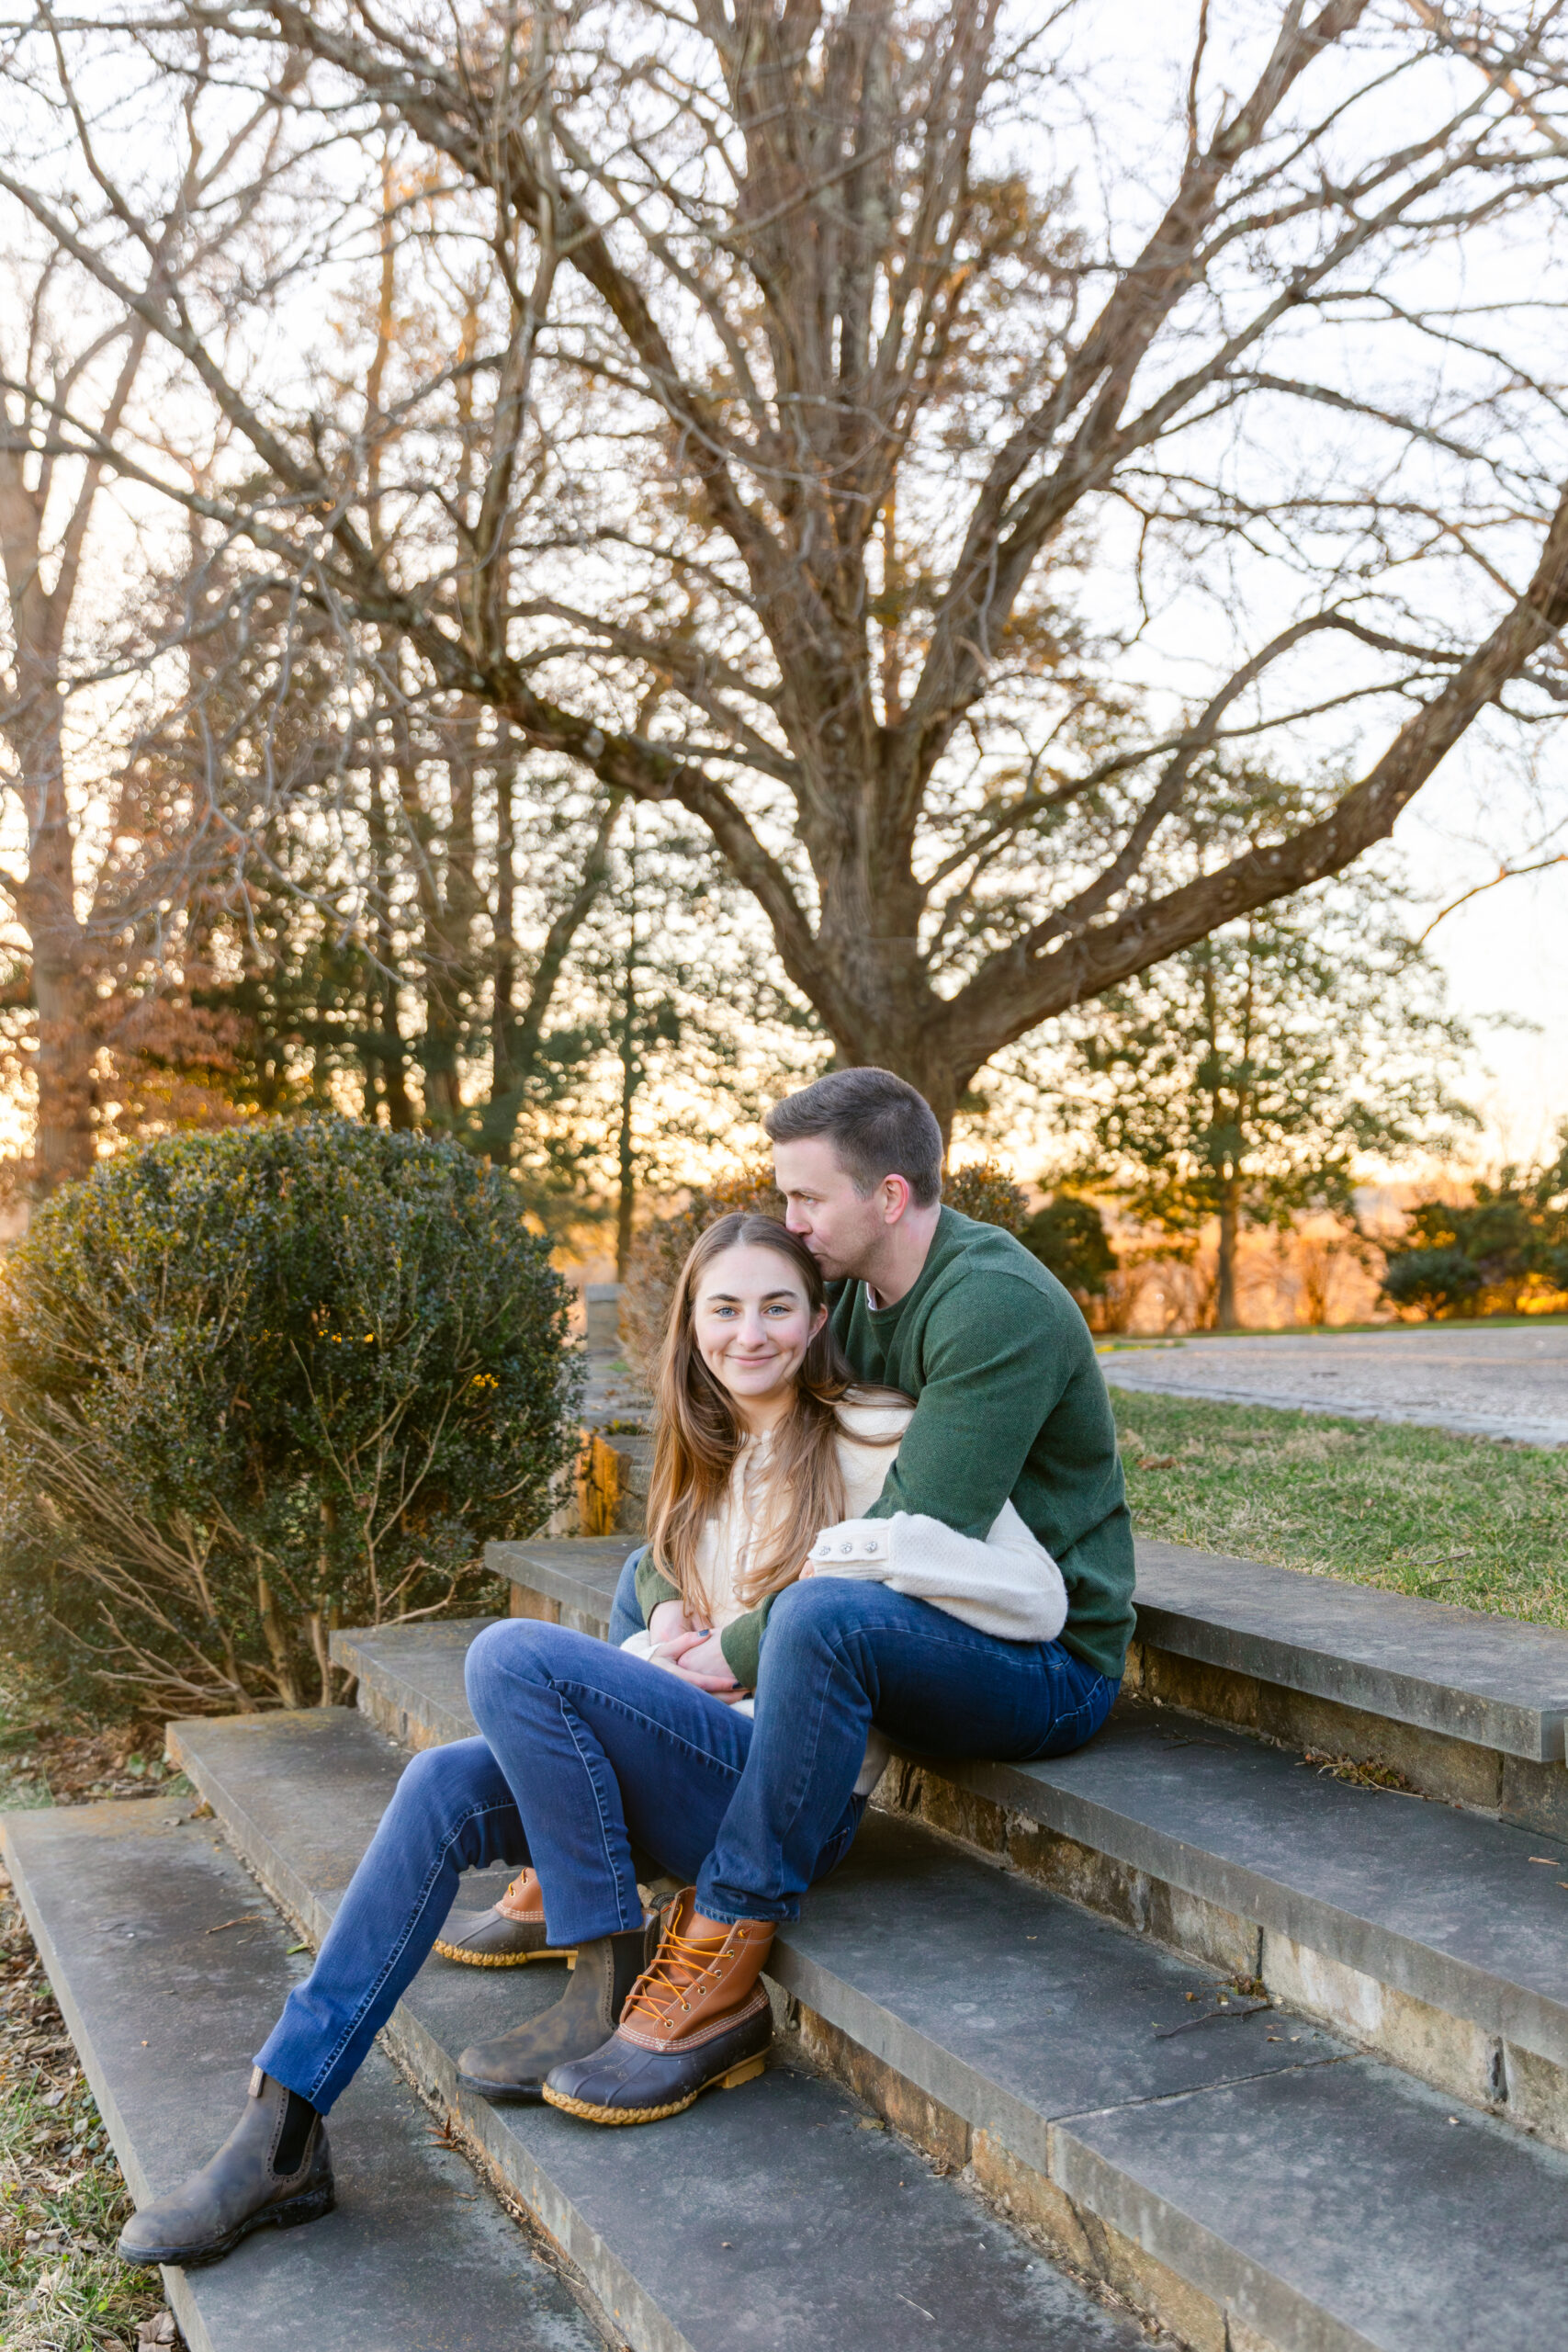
586 1752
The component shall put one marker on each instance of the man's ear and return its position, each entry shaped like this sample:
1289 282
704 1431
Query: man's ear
896 1198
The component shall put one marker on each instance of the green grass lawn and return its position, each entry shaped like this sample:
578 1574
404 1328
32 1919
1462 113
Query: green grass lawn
1461 1518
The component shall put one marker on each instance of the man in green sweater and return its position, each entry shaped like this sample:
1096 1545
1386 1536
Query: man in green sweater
1009 1405
1010 1400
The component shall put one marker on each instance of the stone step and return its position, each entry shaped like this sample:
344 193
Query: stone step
1472 1707
1233 2169
763 2222
1495 1682
1433 1935
1463 1706
169 1967
571 1580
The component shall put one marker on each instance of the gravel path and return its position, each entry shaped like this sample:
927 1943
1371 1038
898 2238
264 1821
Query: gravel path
1511 1382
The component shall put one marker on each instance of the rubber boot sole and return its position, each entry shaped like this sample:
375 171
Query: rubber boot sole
745 2071
503 1960
310 2205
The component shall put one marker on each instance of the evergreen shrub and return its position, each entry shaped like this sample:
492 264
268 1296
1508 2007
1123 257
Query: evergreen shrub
987 1192
1506 1248
257 1385
1068 1237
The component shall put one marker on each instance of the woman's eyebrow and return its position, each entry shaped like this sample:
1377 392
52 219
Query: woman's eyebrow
728 1298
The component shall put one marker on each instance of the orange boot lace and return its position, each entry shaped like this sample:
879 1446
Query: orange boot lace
660 1993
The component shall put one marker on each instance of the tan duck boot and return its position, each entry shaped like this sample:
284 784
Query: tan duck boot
509 1935
699 2016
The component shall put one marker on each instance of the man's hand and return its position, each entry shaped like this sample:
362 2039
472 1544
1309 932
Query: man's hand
699 1659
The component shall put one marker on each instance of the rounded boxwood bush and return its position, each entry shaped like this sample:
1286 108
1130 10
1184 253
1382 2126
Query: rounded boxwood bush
257 1385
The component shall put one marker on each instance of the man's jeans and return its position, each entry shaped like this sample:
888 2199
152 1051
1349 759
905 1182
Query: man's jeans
586 1752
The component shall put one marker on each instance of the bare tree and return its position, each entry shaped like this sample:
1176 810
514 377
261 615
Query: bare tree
854 388
43 896
72 363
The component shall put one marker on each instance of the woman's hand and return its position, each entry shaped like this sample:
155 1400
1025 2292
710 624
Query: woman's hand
699 1659
668 1620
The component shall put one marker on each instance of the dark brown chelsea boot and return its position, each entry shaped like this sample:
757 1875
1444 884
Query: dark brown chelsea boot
273 2171
515 2064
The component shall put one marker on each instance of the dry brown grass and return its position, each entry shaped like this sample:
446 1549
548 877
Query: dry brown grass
63 2200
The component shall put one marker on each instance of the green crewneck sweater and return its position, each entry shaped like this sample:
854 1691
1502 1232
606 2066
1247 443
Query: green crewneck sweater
1010 1402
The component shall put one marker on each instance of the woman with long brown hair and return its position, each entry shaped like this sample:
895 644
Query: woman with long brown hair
592 1759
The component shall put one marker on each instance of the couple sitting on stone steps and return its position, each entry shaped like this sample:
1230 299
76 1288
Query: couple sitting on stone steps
887 1504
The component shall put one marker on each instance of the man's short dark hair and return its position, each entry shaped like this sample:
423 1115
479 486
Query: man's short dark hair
878 1127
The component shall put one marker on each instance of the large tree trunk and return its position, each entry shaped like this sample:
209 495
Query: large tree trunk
65 993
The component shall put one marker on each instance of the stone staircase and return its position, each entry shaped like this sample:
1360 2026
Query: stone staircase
1248 2024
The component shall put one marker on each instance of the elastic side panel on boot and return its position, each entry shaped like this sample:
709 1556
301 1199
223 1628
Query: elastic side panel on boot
295 2136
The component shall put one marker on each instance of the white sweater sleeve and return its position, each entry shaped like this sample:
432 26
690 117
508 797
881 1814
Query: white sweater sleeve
1005 1583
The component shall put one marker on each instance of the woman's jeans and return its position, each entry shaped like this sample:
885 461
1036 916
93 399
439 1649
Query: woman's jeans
586 1752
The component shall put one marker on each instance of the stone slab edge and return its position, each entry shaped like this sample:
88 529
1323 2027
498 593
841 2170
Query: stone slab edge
632 2312
390 1700
1493 2003
543 1568
1215 2268
1233 1631
182 2291
1535 1734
